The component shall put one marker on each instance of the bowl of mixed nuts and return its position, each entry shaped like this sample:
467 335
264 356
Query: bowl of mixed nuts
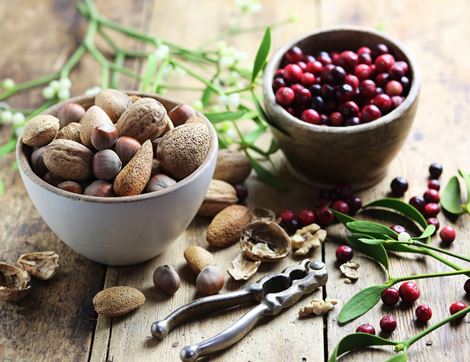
118 176
342 102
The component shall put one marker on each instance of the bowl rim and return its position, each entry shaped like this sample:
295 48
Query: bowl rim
384 120
25 167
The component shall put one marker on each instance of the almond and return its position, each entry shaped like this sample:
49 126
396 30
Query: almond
40 130
136 174
68 160
219 196
182 150
117 301
94 117
232 166
198 258
145 119
227 226
113 102
70 132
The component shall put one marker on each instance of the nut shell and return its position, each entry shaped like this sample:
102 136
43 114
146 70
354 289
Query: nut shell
210 281
68 160
166 279
40 130
182 150
136 174
70 132
14 282
118 301
113 102
198 258
42 265
106 165
227 226
232 166
70 112
219 196
94 117
145 120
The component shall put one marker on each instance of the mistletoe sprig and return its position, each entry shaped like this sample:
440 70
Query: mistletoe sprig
452 200
228 92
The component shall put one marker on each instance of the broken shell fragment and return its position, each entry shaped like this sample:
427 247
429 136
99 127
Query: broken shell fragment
308 237
14 282
317 307
265 241
262 214
349 270
42 265
243 269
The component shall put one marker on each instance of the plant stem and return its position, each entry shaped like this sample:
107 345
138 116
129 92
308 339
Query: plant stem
118 61
72 62
29 84
427 246
431 275
196 76
441 259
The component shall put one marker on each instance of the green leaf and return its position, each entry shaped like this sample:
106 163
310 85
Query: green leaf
261 54
218 117
375 252
361 303
149 72
427 233
262 114
266 176
255 134
402 357
356 341
371 228
402 248
372 241
343 218
273 147
8 147
206 95
466 178
402 207
450 198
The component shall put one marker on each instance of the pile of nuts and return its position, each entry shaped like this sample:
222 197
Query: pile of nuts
120 146
341 89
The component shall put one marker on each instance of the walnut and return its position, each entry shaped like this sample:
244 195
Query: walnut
317 307
14 282
42 265
349 270
308 237
243 269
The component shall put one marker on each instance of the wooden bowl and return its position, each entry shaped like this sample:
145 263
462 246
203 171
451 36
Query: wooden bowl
326 156
119 230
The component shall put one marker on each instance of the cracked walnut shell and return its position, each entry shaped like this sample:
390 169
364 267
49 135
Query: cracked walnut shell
42 265
243 269
14 282
308 237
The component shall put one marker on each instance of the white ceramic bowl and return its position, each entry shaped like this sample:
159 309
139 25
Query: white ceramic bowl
119 230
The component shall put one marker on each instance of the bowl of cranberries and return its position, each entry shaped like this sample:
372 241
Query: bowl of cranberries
342 102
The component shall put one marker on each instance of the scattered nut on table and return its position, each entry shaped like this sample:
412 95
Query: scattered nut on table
349 270
227 226
42 265
219 196
14 282
310 236
118 301
198 258
242 268
210 280
317 307
166 279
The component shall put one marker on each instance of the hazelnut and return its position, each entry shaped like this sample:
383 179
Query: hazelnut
70 112
106 165
71 186
99 188
126 148
159 182
166 279
103 137
156 167
210 280
37 162
51 179
181 113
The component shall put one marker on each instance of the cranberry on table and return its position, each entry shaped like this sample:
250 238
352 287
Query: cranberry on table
287 215
370 113
294 55
447 234
390 296
432 195
409 292
306 217
242 192
431 209
366 328
341 206
344 253
285 96
388 324
435 170
311 116
434 185
418 202
354 203
398 228
367 88
457 307
466 287
423 313
324 216
293 73
433 221
399 185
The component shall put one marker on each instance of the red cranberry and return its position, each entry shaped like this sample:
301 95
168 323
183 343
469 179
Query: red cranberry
435 170
362 71
336 75
242 192
432 195
307 79
393 88
348 59
398 229
297 88
384 62
390 296
379 49
341 206
292 226
431 209
381 79
433 221
294 55
399 186
418 202
324 119
324 58
345 93
309 58
388 324
423 313
335 119
344 253
367 88
326 71
287 215
349 109
355 203
434 185
307 217
303 96
353 121
409 292
352 80
370 113
314 67
383 101
315 90
466 287
457 307
324 216
302 66
328 91
405 82
364 50
293 73
285 96
397 70
318 104
279 73
278 83
366 328
364 58
397 100
447 234
335 58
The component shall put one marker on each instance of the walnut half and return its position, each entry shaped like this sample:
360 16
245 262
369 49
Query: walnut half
42 265
317 307
308 237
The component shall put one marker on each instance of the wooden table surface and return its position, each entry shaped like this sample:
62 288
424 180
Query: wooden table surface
57 321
